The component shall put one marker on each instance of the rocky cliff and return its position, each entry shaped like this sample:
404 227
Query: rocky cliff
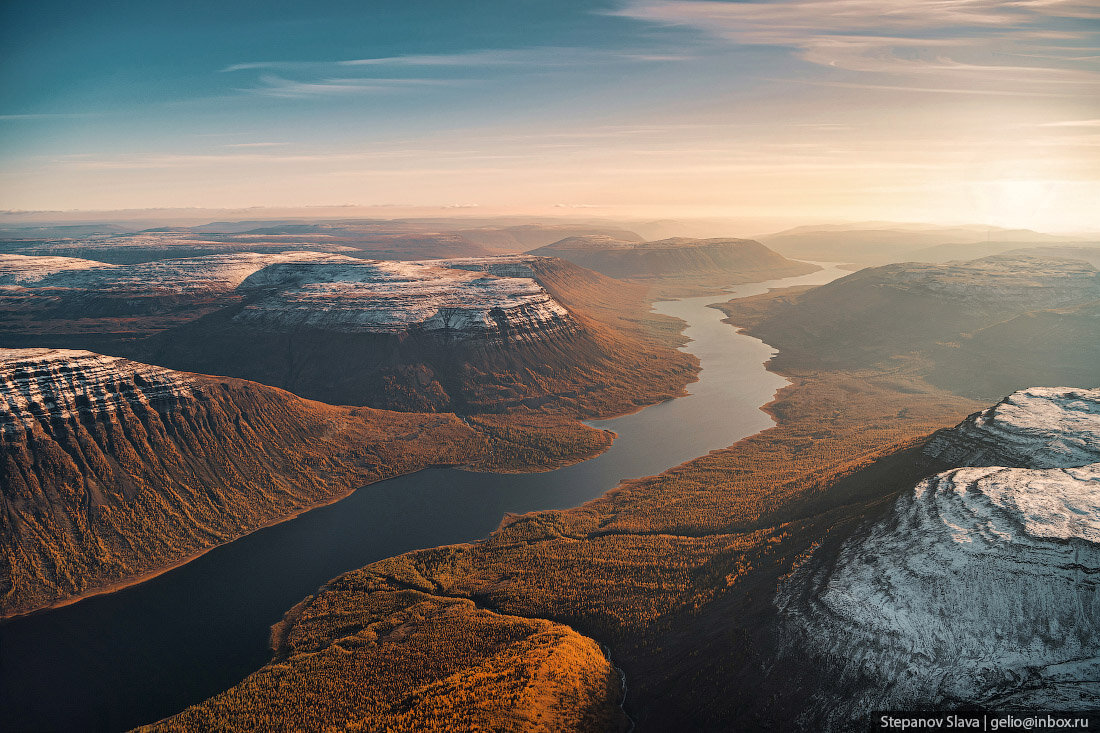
468 335
980 586
111 468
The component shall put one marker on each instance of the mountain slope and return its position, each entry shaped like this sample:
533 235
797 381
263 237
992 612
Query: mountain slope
110 468
717 262
979 328
979 587
469 335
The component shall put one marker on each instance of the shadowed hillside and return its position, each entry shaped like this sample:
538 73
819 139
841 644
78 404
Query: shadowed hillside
982 328
110 468
679 264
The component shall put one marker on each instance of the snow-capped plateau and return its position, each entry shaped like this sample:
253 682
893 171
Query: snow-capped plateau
981 586
161 244
463 297
209 273
42 385
363 296
1041 427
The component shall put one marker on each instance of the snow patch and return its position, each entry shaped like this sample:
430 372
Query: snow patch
38 386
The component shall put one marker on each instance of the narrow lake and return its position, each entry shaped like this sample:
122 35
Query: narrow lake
112 662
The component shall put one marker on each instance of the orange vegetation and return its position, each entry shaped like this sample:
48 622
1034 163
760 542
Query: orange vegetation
88 504
670 571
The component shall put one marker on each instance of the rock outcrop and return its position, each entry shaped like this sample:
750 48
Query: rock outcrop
981 586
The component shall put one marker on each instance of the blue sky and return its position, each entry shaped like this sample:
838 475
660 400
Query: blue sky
938 110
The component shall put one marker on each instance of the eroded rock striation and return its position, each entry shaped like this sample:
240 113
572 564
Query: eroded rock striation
467 300
980 587
111 468
1040 427
40 386
469 335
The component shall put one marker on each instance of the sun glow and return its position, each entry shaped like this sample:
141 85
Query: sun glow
1020 203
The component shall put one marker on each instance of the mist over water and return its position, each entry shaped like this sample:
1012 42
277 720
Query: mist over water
115 661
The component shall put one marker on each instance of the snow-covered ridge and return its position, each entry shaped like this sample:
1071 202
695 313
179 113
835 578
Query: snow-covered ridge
1004 279
210 273
500 265
1040 427
399 297
169 242
41 385
23 270
459 298
982 586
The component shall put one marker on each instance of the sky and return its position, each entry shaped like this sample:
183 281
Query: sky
942 111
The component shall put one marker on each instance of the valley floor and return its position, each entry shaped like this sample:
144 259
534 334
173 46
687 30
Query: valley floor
670 572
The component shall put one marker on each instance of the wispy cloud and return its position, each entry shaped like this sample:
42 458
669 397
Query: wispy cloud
964 40
539 56
50 116
276 86
1072 123
296 79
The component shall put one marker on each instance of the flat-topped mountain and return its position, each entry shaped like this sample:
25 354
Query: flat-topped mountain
149 246
402 298
1040 427
726 260
111 468
982 327
466 335
62 301
978 587
215 273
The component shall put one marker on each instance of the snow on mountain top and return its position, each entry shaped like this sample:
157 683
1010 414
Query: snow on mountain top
980 586
390 296
1039 427
212 272
40 385
516 265
330 291
25 270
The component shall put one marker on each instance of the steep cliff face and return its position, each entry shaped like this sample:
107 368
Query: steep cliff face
981 586
403 298
471 335
110 468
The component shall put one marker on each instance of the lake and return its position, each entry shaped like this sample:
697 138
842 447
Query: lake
118 660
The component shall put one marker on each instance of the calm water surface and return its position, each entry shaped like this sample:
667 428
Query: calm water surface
111 662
